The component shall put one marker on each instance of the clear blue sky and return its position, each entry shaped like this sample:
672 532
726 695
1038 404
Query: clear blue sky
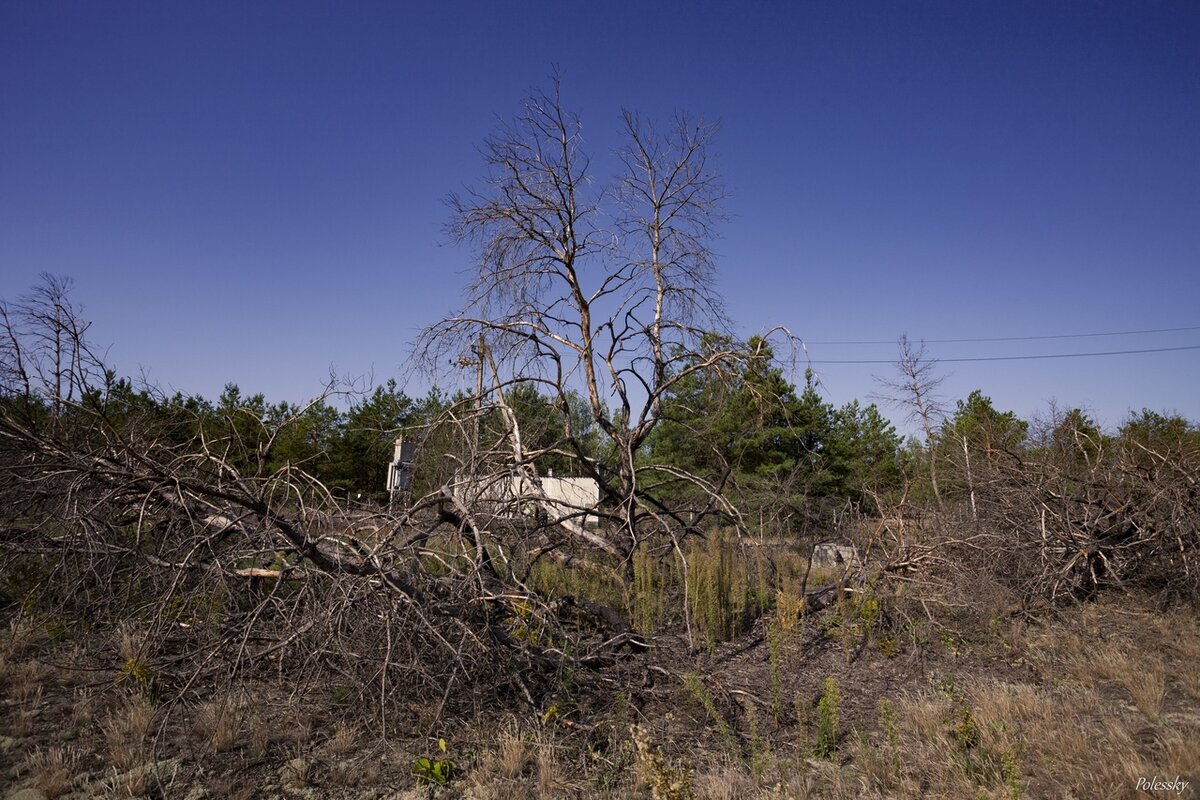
252 192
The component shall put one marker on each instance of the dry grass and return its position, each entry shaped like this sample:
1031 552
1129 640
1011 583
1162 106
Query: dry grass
21 724
52 770
343 740
1010 740
132 641
551 779
133 783
667 779
125 730
218 724
292 725
512 754
296 774
262 735
1148 686
230 787
369 772
22 636
345 773
83 709
1178 753
725 783
26 681
1074 734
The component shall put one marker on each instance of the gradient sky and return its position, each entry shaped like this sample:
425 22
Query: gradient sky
253 192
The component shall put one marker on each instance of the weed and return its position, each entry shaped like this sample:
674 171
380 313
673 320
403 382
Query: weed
775 654
649 587
951 645
719 591
431 771
890 724
803 726
136 674
789 606
701 693
966 727
666 780
760 751
1011 775
343 694
828 708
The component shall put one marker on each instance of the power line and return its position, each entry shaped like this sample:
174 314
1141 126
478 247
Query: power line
1018 338
1017 358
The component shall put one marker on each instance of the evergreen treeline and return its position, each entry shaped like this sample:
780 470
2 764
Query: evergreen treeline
346 449
767 443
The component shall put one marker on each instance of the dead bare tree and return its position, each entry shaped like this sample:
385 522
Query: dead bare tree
598 289
915 389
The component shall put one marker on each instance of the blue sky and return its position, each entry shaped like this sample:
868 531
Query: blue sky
252 192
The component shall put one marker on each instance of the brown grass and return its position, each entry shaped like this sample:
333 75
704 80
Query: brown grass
218 724
550 778
343 740
133 783
1147 684
725 783
345 773
52 770
22 723
296 774
125 731
26 680
512 754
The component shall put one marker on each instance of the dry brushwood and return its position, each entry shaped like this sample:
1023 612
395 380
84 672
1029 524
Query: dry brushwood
119 509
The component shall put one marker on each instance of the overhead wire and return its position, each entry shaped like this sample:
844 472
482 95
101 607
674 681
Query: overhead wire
1013 358
1013 338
